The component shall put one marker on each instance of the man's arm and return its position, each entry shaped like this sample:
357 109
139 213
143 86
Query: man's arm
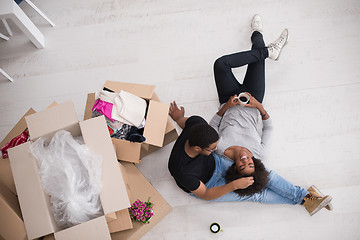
177 114
215 192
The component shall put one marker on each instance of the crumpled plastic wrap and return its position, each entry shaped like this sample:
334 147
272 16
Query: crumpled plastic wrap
71 174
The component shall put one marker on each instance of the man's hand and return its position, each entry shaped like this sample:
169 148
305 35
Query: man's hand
242 183
177 114
215 192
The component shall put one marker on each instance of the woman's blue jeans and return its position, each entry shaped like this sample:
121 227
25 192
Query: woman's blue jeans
278 190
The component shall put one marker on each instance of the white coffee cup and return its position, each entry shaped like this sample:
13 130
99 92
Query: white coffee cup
243 98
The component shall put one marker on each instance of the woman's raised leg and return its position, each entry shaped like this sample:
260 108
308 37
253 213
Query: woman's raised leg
254 80
226 83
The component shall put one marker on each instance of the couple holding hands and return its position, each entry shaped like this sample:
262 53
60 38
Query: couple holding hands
221 160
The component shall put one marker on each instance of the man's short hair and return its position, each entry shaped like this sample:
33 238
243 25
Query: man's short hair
202 135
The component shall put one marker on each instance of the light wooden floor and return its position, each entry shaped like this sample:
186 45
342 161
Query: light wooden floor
312 94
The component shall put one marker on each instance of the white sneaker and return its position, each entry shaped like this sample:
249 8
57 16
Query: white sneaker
275 47
256 24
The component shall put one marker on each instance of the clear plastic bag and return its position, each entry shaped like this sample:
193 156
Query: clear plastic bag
71 174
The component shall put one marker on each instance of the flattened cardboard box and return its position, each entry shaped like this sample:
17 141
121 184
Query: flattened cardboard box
11 223
35 204
140 188
158 130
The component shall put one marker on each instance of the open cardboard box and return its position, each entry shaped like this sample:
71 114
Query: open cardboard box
35 204
138 188
158 130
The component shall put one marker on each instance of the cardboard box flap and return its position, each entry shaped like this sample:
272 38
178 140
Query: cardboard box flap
96 136
35 207
121 223
155 97
51 120
94 229
155 125
90 101
169 124
123 220
110 217
127 151
11 224
5 172
140 90
18 128
10 198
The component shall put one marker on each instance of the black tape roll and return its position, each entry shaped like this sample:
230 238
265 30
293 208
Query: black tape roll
214 227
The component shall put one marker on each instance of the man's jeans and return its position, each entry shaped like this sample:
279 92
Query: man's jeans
278 190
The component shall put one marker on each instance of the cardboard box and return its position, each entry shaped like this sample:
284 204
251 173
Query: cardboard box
158 130
122 218
35 204
170 135
140 188
6 176
11 223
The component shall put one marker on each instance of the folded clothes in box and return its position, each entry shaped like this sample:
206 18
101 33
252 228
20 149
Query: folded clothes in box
125 114
158 129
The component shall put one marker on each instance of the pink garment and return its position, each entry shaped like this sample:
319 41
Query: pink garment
23 137
105 108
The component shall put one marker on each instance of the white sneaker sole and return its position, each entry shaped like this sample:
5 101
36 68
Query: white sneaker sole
330 206
252 27
287 40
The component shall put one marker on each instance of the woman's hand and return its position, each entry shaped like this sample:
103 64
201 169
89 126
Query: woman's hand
252 102
242 183
233 101
256 104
